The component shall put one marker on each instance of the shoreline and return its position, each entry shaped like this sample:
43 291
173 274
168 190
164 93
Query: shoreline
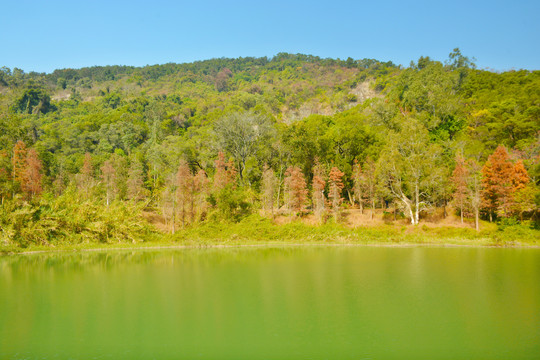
256 231
142 246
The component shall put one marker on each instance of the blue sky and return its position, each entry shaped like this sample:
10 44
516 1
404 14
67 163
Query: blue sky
46 35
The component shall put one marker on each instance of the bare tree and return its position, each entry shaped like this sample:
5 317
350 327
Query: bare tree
269 182
318 184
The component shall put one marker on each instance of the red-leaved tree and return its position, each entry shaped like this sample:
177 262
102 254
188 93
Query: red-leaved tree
295 185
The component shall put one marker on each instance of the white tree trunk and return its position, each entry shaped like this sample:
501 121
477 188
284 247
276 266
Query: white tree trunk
476 219
417 204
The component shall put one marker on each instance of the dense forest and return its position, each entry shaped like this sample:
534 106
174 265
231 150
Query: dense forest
95 154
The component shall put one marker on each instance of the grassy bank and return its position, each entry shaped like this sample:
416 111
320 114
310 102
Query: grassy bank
256 230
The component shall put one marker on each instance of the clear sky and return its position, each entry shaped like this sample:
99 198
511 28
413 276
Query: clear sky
46 35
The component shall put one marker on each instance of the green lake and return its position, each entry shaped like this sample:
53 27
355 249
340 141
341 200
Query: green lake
312 302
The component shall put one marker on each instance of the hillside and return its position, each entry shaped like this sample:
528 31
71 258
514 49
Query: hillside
293 135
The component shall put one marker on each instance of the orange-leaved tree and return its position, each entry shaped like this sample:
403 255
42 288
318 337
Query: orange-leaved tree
32 175
500 180
296 190
225 172
335 186
318 184
459 180
18 162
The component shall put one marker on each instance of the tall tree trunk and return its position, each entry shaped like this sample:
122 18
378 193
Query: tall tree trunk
476 219
417 204
173 214
372 207
279 185
192 209
351 199
445 214
183 215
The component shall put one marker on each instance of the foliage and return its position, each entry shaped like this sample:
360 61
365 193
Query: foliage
408 166
250 129
69 219
232 204
295 185
335 184
501 179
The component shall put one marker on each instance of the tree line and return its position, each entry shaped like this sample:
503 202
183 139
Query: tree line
292 135
406 175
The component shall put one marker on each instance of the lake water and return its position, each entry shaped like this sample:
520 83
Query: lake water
272 303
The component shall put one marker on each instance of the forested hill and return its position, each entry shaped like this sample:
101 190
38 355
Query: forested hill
243 129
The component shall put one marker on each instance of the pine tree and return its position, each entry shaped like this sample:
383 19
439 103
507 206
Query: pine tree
119 163
459 180
108 175
59 183
318 184
523 195
32 175
232 172
19 163
335 186
85 177
521 176
269 183
185 199
168 200
474 190
201 190
225 172
295 184
500 179
135 182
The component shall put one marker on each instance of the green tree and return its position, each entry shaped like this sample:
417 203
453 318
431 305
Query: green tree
242 135
408 167
34 100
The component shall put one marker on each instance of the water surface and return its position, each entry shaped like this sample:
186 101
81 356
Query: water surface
272 303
